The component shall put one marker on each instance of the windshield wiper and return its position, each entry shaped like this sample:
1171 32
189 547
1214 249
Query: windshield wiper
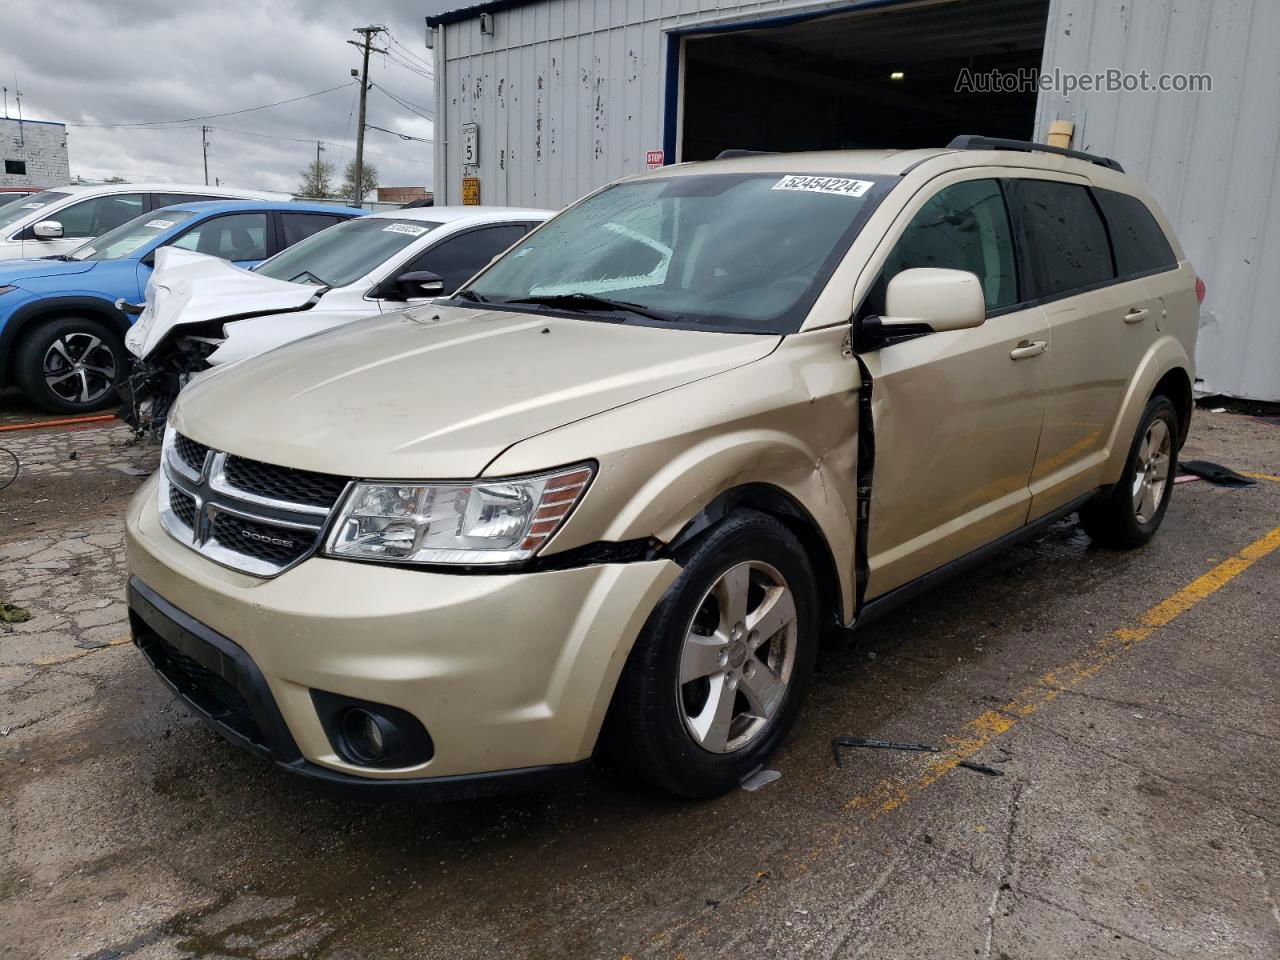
469 295
307 273
589 301
64 257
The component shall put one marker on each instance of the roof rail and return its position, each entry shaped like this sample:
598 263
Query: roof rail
971 141
730 154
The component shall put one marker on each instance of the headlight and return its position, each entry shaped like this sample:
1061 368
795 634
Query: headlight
481 522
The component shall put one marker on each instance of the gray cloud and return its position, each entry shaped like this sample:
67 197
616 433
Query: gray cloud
103 62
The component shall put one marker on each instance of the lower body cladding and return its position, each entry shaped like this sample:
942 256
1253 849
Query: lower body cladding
366 674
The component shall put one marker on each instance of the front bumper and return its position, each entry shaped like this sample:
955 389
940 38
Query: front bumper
511 674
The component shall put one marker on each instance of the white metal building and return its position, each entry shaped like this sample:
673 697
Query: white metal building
33 153
541 101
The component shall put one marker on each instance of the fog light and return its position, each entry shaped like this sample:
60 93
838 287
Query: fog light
368 736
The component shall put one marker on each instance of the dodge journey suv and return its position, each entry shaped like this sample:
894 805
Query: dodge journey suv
615 488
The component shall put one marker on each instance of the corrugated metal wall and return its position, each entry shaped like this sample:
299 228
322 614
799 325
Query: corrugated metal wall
568 94
1211 159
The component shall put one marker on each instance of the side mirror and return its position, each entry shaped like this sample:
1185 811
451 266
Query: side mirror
48 230
418 283
935 298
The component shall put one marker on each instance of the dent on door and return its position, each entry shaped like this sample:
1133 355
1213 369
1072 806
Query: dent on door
957 419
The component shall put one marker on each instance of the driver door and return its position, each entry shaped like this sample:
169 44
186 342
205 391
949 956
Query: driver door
956 415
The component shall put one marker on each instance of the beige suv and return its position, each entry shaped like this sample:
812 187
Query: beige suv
616 487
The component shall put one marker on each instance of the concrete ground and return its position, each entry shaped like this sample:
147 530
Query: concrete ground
1131 701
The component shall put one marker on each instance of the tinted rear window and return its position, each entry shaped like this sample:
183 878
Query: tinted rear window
1140 245
1065 234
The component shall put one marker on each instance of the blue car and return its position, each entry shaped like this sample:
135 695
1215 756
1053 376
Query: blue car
61 335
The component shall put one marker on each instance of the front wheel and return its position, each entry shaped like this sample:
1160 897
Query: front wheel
72 365
718 673
1129 515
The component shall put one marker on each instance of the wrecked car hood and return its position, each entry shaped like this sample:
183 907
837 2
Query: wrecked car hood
189 288
436 392
248 338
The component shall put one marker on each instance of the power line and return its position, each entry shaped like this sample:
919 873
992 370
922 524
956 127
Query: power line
409 54
390 56
214 116
402 136
410 107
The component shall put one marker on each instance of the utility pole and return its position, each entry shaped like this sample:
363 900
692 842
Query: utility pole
204 140
365 46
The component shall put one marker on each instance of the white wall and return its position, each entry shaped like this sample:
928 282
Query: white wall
1211 159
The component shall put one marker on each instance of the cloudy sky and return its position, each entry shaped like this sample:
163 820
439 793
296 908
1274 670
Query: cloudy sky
92 63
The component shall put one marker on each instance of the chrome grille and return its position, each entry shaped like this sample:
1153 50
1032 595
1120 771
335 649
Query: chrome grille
184 507
190 452
251 516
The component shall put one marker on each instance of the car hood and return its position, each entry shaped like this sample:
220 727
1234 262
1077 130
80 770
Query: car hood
189 288
15 271
248 338
436 392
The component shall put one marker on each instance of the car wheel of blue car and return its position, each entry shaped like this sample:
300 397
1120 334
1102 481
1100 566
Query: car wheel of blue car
71 365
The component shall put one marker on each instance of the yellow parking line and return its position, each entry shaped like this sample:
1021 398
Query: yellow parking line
1262 476
889 794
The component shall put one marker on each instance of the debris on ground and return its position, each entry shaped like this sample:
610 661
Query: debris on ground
11 614
1215 473
761 778
981 768
10 465
839 742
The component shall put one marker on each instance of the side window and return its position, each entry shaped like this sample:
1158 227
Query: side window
459 258
299 226
1067 240
93 218
962 227
1139 243
236 236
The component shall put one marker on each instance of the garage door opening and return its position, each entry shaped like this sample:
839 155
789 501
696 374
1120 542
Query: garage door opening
881 78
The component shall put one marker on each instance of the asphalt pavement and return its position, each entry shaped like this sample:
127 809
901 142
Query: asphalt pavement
1129 701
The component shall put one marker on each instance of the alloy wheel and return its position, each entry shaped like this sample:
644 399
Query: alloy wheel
1151 472
79 368
737 659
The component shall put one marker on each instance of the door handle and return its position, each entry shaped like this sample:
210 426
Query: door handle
1029 348
1137 315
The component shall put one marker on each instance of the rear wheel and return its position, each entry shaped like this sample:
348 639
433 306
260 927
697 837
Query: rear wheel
718 674
1131 512
71 365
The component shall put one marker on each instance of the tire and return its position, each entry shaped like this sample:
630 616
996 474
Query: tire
1129 514
46 365
668 732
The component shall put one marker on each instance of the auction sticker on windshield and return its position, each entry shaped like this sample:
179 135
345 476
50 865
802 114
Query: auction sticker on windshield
32 206
408 228
841 186
160 224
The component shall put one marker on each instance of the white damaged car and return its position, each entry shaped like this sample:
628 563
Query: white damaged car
201 312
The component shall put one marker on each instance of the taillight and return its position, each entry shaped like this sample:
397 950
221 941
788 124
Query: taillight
1200 290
